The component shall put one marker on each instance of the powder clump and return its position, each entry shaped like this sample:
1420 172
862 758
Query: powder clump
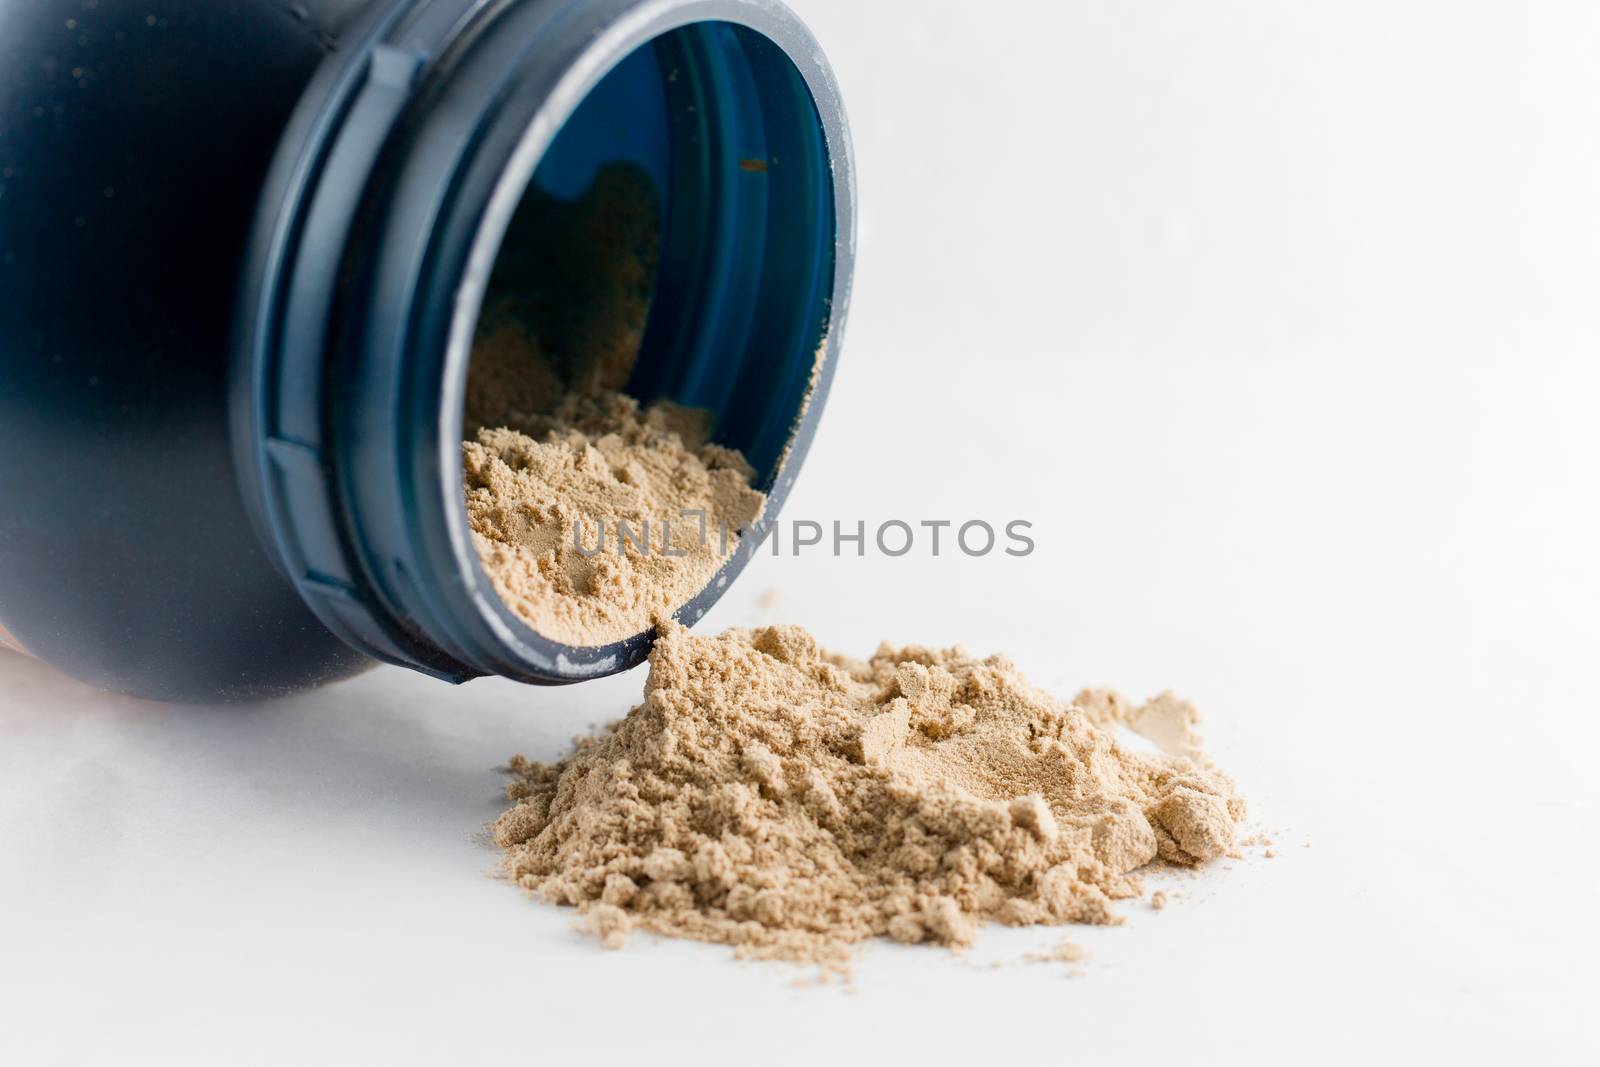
593 513
790 802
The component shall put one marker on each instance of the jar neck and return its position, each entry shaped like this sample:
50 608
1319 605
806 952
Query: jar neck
393 193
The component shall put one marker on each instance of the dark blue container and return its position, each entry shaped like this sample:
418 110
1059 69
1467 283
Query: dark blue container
243 248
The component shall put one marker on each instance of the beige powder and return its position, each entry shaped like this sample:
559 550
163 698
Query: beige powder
792 803
625 477
1168 721
593 515
1063 952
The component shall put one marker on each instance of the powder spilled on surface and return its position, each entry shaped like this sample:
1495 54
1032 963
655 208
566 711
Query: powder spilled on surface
793 803
554 443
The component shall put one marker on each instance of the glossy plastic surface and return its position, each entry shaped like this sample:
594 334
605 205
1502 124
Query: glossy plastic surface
133 140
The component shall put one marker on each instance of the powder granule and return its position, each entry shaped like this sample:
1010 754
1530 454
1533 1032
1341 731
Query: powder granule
793 803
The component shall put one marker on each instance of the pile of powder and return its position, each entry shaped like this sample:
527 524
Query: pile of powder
790 802
557 456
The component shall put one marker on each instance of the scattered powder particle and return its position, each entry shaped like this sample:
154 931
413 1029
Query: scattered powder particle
1158 900
793 803
1064 952
1271 854
558 457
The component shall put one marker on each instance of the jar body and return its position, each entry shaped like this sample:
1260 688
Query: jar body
242 249
133 142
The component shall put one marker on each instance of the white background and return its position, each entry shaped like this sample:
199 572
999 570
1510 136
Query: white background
1279 320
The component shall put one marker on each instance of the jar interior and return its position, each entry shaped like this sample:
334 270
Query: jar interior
678 235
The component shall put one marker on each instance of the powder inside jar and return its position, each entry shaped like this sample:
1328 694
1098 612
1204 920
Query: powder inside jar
593 514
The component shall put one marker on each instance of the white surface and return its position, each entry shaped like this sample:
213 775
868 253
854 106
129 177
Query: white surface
1279 322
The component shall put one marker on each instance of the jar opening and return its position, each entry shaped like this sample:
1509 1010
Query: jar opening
674 243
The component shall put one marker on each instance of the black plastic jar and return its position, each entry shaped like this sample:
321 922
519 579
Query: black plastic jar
243 248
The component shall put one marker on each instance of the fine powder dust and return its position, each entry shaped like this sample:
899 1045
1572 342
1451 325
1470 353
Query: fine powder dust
559 457
793 803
